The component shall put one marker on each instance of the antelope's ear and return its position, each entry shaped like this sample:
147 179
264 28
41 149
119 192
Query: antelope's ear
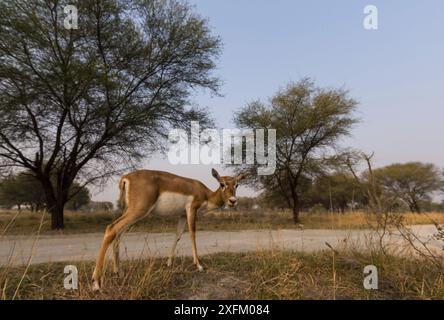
215 174
240 177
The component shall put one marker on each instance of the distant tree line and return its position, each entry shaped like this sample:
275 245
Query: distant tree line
24 190
411 187
312 171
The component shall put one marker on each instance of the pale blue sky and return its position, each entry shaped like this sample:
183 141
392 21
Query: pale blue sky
395 72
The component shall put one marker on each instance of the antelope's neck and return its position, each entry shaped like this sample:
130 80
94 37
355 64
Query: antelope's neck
215 199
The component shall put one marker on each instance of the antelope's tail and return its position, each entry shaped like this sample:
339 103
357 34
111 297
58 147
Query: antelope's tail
122 198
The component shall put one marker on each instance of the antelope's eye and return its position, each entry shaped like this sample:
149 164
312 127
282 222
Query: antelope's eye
222 185
235 186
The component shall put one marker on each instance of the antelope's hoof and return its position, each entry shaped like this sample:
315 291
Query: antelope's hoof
96 286
200 268
169 262
119 273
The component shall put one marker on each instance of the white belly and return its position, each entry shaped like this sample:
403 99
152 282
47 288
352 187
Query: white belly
170 203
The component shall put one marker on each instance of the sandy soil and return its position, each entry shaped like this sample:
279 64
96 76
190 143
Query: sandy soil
17 250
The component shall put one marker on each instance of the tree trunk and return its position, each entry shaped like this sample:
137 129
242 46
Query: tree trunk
296 209
55 203
57 221
416 207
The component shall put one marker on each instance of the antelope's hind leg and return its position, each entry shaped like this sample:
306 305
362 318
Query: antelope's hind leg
116 252
113 231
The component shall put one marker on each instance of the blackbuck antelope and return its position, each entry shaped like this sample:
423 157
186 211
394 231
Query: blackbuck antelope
147 192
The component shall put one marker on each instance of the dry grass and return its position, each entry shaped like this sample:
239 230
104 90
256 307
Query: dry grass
360 220
77 222
256 275
270 274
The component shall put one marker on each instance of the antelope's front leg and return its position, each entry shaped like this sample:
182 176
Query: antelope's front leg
180 228
191 217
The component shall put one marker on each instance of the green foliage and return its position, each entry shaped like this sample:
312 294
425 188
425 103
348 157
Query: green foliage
337 191
84 104
412 182
21 189
24 189
80 196
309 121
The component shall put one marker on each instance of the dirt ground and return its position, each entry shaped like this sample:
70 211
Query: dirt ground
17 250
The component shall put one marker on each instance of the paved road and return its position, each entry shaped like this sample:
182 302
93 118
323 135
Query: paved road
16 250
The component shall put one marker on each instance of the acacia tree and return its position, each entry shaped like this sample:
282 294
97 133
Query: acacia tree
336 191
21 189
411 182
85 103
24 189
308 120
79 196
273 196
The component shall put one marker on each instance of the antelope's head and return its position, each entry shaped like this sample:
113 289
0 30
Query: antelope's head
228 186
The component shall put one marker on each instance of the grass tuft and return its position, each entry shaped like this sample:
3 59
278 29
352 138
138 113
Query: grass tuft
265 275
